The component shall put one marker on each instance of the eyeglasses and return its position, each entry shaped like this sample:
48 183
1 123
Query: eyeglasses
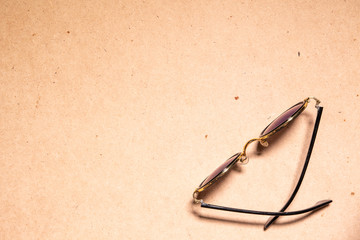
279 123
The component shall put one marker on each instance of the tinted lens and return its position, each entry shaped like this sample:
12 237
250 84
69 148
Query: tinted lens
282 118
219 170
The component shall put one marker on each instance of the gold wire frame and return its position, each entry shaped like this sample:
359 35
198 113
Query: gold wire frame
262 139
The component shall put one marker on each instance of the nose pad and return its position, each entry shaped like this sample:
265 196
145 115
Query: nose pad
264 143
243 160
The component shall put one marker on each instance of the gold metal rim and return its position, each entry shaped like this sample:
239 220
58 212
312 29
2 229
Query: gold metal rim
281 126
200 189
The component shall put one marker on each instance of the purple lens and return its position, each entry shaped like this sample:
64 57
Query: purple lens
282 118
219 170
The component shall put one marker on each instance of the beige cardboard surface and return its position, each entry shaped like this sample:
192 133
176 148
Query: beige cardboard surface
112 112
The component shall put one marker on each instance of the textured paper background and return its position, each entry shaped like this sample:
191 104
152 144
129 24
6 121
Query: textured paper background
112 112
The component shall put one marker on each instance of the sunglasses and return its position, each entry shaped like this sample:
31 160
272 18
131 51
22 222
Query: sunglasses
275 126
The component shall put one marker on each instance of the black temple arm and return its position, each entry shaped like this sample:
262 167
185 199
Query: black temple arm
318 205
316 126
